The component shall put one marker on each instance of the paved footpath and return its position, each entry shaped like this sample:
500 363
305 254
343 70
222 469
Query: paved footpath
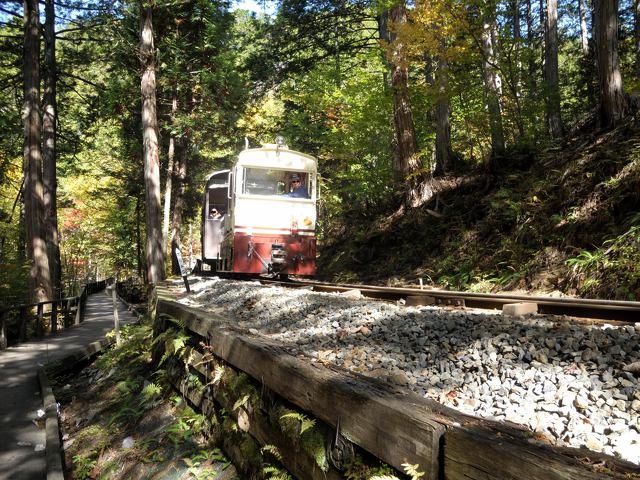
20 436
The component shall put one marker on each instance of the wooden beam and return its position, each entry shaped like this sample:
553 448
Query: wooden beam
477 453
53 457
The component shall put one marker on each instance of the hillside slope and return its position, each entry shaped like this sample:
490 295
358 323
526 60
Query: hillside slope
565 220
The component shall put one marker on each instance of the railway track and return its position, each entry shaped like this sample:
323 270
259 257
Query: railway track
596 309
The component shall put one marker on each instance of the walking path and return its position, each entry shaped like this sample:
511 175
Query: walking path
22 439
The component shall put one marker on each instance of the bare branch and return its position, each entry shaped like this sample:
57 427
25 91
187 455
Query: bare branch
83 27
70 75
71 88
10 82
78 40
77 7
10 12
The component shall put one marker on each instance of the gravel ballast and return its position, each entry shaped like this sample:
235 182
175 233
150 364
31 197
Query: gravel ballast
574 383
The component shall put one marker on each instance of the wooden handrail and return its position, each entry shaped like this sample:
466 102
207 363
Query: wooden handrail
65 306
57 300
36 305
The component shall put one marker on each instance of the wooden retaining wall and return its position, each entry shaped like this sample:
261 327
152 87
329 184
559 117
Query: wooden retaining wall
255 411
391 423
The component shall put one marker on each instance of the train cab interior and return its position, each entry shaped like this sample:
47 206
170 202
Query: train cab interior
262 181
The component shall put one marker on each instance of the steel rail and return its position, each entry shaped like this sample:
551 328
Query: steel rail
616 310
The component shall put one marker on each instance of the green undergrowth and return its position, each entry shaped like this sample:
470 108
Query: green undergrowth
563 219
120 398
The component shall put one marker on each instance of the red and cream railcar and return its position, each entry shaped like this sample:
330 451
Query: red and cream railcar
260 216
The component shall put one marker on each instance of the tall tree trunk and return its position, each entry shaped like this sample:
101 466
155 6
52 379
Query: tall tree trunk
515 19
407 162
531 36
584 34
139 262
444 152
429 70
514 78
22 222
39 274
517 37
178 208
542 37
636 31
154 252
612 106
552 82
493 86
49 129
169 180
383 35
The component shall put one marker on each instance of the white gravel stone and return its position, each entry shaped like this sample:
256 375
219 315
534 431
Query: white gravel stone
576 384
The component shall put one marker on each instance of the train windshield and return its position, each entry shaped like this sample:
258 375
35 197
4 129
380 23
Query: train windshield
262 181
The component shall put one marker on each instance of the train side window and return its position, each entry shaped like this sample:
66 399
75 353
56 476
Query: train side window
259 181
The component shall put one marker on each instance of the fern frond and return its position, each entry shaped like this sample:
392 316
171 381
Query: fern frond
218 372
305 422
273 450
412 471
151 390
241 402
275 473
178 322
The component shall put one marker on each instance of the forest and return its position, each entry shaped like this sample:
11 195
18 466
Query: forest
480 144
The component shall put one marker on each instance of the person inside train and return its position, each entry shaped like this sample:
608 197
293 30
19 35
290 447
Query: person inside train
214 214
298 188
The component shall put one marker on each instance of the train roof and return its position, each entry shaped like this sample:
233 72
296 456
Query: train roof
274 156
277 156
213 174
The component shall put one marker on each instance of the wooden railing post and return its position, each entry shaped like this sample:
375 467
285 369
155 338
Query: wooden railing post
116 318
83 304
3 333
54 317
23 324
39 325
78 308
67 313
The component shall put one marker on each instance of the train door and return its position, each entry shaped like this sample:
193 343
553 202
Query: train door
215 214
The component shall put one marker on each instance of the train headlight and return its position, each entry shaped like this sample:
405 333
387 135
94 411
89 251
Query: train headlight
307 221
